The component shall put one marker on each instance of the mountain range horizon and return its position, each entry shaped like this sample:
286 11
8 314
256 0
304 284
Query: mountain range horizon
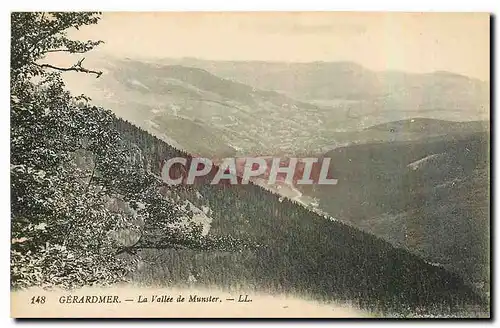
282 62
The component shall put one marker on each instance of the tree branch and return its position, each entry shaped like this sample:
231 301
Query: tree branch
91 177
67 50
75 68
132 248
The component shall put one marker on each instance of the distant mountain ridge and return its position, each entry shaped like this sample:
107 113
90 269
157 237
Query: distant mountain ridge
350 81
206 99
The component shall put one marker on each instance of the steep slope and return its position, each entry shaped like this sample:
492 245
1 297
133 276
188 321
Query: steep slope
235 116
428 196
299 252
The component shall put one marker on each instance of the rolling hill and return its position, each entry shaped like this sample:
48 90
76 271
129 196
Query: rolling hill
429 196
249 119
316 80
440 94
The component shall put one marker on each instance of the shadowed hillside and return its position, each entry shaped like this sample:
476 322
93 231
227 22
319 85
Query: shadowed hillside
297 251
428 196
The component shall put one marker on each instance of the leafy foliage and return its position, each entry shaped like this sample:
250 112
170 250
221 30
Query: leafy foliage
75 184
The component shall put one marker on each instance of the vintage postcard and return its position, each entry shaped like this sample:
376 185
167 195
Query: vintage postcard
250 165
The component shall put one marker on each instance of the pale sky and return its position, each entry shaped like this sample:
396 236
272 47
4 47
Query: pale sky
413 42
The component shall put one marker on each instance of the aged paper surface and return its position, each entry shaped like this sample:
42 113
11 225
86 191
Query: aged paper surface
242 165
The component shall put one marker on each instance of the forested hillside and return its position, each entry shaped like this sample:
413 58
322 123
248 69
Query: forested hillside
76 184
295 250
429 196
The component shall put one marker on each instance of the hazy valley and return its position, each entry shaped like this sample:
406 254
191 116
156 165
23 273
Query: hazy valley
411 150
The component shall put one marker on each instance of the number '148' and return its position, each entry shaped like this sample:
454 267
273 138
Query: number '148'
38 300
